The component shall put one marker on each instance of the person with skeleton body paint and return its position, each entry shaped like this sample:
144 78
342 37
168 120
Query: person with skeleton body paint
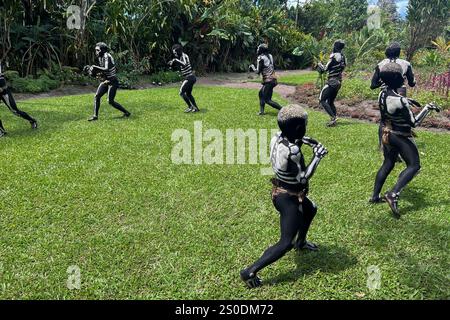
8 99
393 55
335 67
182 62
265 67
108 72
397 121
290 189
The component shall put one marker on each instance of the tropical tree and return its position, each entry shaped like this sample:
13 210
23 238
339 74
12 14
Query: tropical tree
348 15
425 21
312 16
389 10
441 45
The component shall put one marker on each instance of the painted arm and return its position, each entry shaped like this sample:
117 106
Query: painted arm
322 69
425 112
330 63
259 68
319 152
105 68
182 62
410 77
376 80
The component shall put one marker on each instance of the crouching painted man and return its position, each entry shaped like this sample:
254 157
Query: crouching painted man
8 99
335 68
290 189
266 68
107 71
397 121
181 60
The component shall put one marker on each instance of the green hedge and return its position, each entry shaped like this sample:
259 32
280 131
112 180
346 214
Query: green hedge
131 80
30 85
49 80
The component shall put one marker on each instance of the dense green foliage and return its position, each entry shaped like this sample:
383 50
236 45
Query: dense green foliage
106 197
389 10
358 87
426 20
219 35
349 15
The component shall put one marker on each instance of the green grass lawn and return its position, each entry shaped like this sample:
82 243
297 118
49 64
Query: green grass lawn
299 79
105 196
296 79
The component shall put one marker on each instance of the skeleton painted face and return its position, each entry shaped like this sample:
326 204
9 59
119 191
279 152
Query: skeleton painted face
262 48
177 53
98 51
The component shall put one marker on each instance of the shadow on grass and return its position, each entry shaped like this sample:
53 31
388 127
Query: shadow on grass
268 114
47 120
121 117
329 259
418 250
418 201
344 123
426 273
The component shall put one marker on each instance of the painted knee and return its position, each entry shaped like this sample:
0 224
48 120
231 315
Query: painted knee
314 209
286 245
323 104
416 168
388 165
97 99
261 96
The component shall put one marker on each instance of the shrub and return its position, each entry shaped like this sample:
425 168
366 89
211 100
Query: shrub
357 88
434 59
31 85
427 96
165 77
11 75
131 79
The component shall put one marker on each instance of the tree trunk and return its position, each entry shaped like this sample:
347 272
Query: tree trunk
28 12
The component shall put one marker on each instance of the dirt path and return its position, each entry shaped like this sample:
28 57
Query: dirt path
366 110
305 95
284 90
231 80
250 81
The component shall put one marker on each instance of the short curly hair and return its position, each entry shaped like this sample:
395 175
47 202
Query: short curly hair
292 121
393 51
103 46
338 45
292 111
